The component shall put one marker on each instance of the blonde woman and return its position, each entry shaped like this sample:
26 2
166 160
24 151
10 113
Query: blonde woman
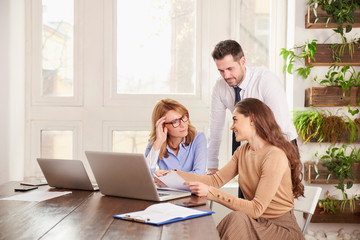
174 142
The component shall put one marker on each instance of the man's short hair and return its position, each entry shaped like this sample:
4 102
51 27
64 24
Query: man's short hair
227 47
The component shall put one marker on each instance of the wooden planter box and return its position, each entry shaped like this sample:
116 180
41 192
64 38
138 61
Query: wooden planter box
310 174
340 217
331 96
324 56
343 138
321 23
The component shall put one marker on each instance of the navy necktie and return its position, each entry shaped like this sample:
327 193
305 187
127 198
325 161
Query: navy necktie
236 144
237 94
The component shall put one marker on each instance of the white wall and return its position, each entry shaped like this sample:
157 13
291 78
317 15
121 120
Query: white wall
4 91
12 72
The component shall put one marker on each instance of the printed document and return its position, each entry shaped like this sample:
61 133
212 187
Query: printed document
36 196
173 180
162 213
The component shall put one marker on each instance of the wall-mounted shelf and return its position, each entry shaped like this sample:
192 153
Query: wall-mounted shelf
340 217
323 16
324 56
344 137
327 55
331 97
310 174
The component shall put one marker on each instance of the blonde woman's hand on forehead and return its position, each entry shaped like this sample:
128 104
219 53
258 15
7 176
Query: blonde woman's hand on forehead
161 133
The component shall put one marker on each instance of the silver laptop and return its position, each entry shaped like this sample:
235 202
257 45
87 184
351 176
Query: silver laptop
70 174
127 175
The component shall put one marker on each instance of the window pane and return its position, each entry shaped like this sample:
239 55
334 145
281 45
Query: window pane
57 48
255 31
130 141
156 46
57 144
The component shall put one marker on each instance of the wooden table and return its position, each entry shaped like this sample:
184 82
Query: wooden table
88 215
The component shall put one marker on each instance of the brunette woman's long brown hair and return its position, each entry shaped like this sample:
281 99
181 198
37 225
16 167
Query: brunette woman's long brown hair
268 129
160 109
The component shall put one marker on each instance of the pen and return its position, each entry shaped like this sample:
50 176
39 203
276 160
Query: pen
135 218
166 172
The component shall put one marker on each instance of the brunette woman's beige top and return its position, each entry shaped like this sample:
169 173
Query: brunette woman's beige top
264 178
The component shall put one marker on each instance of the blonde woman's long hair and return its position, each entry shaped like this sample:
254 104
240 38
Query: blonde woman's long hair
160 109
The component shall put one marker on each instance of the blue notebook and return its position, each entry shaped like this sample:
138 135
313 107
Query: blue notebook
163 213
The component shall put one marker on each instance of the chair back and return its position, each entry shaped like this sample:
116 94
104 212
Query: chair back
308 203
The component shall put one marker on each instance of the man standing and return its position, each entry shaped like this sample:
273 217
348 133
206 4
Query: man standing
238 82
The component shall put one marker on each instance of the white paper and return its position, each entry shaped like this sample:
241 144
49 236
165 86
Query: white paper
173 180
36 196
161 212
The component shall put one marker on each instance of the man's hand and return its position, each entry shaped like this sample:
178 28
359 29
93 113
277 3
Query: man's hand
211 171
198 188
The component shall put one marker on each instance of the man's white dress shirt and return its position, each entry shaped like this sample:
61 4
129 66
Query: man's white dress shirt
258 83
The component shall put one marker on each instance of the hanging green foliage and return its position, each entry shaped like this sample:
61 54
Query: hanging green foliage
341 11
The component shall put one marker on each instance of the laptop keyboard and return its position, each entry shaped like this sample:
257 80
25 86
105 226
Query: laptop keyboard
163 194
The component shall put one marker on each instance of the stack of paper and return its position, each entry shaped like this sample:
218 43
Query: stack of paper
162 213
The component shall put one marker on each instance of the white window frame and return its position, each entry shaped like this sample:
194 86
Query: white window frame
278 16
34 52
38 126
112 98
110 126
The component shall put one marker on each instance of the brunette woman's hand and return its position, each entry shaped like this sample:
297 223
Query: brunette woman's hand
198 188
161 133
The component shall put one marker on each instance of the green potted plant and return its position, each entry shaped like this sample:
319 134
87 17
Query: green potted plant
344 53
341 11
298 53
340 87
340 165
344 77
315 54
308 125
338 49
331 205
313 125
